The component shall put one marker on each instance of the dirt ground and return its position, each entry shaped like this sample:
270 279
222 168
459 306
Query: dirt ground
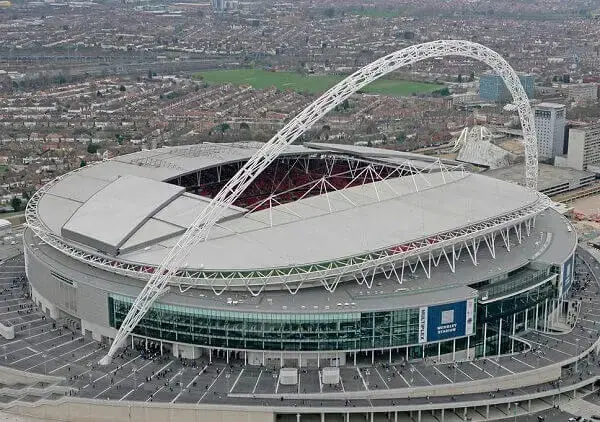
587 206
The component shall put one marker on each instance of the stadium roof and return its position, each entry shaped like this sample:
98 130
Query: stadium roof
122 207
443 285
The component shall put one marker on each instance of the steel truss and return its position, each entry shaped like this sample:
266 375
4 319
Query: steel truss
200 228
370 173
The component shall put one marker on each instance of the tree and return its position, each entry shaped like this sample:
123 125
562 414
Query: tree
82 163
223 127
401 137
92 148
444 92
460 78
16 203
244 126
122 88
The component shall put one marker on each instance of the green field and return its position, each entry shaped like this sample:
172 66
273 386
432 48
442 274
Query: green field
308 83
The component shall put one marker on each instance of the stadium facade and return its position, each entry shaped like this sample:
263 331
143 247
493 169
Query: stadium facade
333 252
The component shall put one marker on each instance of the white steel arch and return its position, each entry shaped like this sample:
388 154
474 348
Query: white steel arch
200 228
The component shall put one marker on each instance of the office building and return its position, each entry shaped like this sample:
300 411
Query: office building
492 87
584 147
550 124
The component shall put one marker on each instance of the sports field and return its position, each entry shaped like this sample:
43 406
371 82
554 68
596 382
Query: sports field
308 83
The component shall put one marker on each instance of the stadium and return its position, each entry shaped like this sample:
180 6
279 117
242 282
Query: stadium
317 264
331 252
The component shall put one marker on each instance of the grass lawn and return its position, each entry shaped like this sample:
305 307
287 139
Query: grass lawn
308 83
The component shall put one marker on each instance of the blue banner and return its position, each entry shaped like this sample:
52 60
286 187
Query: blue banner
567 274
447 321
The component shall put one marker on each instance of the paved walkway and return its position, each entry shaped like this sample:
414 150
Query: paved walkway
44 346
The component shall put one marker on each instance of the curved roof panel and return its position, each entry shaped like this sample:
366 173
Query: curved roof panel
108 218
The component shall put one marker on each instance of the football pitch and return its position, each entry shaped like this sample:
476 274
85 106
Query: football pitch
261 79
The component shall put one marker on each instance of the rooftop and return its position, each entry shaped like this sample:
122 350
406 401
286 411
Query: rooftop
123 207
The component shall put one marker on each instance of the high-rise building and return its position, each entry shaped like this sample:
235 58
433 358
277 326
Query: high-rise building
550 124
584 147
493 88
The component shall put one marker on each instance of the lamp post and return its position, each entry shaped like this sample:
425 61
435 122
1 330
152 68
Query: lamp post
515 412
559 382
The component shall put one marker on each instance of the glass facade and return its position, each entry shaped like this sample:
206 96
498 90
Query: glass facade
513 284
512 315
500 312
273 331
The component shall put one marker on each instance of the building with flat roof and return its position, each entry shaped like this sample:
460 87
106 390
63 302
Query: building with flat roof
580 93
552 180
584 148
550 122
492 87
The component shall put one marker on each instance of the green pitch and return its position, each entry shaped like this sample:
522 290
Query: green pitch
308 83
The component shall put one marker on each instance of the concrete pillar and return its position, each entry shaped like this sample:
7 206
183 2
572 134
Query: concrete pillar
442 416
512 341
487 411
546 315
484 337
322 417
453 350
297 417
396 416
372 357
465 414
355 358
227 358
499 336
419 416
372 416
